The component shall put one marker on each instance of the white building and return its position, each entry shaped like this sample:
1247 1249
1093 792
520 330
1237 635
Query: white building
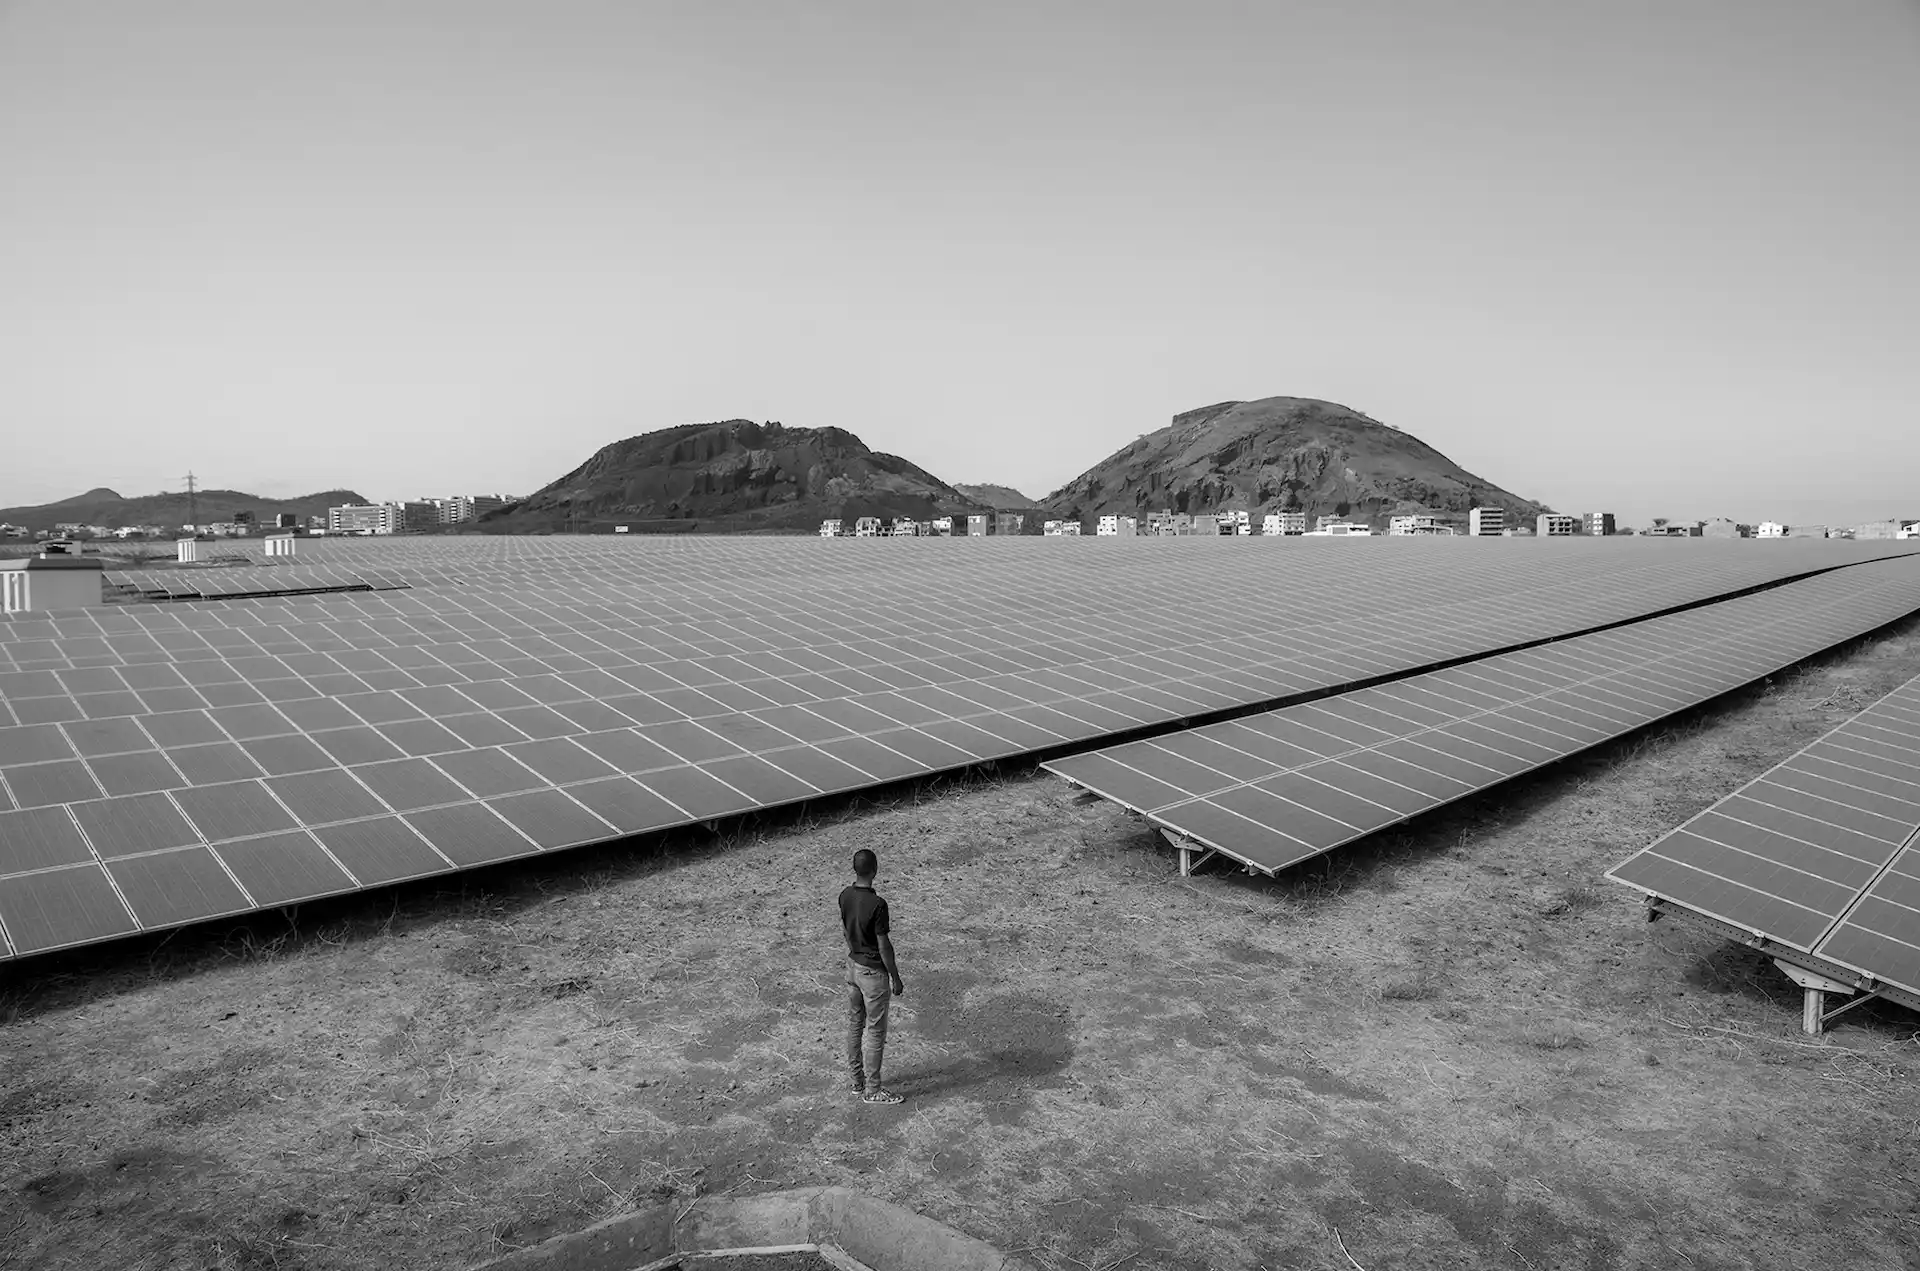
1341 529
1770 529
1061 529
867 527
1278 523
1909 531
364 518
1551 525
52 580
1109 527
458 509
1486 522
828 529
1416 524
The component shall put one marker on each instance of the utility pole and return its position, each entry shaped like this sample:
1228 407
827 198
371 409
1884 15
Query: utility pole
193 503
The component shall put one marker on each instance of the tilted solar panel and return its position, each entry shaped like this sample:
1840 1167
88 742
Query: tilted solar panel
1274 789
1817 855
303 747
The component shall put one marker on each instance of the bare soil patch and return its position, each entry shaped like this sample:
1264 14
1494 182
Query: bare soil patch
1452 1046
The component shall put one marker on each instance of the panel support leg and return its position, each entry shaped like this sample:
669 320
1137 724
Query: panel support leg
1814 1015
1812 1007
1192 855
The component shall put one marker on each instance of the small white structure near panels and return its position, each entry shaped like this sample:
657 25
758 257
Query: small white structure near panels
187 550
50 582
280 544
1770 529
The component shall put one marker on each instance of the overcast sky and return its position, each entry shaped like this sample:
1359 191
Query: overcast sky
1657 258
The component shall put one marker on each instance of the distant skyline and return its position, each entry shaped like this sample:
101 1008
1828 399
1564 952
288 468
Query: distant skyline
1650 258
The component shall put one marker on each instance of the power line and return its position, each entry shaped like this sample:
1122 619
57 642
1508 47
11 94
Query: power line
193 503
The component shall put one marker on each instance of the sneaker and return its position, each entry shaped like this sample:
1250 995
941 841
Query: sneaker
878 1095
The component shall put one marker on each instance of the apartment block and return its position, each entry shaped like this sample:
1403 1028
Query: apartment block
1599 524
364 518
1553 525
1486 522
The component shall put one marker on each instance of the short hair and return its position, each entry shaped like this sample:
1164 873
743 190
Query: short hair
865 864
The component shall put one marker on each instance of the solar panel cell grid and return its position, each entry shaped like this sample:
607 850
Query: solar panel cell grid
1337 751
1816 855
1035 649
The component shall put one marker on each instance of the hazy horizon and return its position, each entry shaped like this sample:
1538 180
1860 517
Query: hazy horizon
1648 258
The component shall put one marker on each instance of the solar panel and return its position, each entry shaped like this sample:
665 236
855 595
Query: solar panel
1274 789
1818 856
529 695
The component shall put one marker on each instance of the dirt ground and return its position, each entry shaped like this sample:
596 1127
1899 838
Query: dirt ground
1455 1046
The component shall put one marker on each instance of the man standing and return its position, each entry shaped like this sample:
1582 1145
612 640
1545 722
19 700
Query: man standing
873 980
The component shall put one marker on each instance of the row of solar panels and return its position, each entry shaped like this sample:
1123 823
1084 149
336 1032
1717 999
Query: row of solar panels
1819 855
732 574
297 757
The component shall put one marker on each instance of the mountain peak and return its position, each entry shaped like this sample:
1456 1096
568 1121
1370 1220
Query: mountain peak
733 475
1280 453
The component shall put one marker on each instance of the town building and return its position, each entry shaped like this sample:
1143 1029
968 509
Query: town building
1008 522
287 521
1878 529
1598 524
1553 525
364 518
1721 527
1486 522
828 529
1415 524
1909 531
422 514
458 509
867 527
1770 529
1284 523
978 525
1806 531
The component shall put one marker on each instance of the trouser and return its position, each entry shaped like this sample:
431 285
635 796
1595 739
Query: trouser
868 994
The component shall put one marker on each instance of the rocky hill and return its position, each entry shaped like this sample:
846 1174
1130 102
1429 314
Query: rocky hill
1277 454
110 508
1002 497
732 476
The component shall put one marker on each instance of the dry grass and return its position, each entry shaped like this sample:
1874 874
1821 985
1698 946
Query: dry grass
1448 1047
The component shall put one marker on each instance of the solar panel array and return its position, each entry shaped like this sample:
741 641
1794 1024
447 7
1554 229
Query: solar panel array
165 764
1275 789
1819 854
205 582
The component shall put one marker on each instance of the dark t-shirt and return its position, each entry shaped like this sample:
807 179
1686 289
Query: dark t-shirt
864 916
